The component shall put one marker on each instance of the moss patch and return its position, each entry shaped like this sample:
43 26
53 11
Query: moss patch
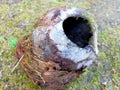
17 20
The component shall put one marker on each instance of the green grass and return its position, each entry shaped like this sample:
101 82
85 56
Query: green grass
17 20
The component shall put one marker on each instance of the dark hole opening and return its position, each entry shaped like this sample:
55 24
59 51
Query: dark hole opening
47 68
54 68
78 30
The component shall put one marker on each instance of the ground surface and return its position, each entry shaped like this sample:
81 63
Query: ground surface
17 18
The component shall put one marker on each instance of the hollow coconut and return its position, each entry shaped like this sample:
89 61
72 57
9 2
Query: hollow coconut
60 48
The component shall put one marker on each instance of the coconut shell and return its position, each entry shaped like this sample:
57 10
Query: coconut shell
49 63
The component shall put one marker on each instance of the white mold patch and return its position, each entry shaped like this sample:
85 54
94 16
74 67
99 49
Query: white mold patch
68 49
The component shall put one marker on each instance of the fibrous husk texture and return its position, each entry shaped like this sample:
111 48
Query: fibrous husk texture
45 74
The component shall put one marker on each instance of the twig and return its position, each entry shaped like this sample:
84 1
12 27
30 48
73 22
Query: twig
17 63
